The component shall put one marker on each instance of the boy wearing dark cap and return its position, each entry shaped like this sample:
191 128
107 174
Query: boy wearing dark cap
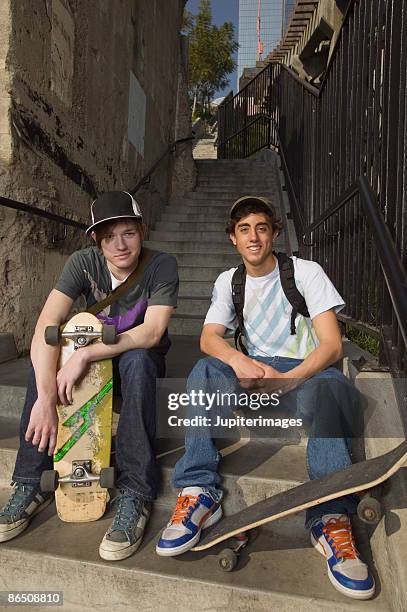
282 349
141 316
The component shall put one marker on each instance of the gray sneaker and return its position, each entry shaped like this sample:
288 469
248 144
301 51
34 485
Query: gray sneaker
25 502
125 533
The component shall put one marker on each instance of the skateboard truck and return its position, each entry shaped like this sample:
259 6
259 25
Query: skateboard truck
82 336
81 476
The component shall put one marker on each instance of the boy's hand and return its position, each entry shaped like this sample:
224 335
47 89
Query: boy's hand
246 369
274 381
43 425
69 374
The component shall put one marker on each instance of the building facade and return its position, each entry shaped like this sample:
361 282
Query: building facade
89 103
274 17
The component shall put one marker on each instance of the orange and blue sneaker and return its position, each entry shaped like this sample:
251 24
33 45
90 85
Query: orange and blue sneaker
195 510
332 536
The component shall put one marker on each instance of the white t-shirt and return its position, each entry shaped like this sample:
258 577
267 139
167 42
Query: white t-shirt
116 282
267 312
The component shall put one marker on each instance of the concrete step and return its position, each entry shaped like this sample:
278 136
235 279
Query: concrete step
191 273
278 571
193 305
238 174
207 237
204 203
219 186
195 288
170 246
185 325
215 248
214 260
220 196
13 380
8 349
238 178
190 226
252 468
196 214
230 164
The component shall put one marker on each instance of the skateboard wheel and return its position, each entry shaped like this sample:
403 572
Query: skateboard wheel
107 478
49 480
370 510
52 335
227 560
109 335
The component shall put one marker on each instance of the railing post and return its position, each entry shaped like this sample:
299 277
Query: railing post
269 106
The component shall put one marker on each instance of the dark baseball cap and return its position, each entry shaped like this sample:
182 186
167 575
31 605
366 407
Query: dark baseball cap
113 205
250 199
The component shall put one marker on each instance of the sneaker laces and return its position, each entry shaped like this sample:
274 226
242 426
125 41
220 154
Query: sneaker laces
339 534
183 509
128 511
19 495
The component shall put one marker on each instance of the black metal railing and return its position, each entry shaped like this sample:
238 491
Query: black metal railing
353 125
172 147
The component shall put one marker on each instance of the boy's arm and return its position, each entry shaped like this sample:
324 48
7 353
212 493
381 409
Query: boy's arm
43 422
329 350
213 344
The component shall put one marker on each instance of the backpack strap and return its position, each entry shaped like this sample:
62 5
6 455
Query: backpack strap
290 289
238 291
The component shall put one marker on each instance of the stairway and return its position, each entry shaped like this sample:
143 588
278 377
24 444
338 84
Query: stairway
279 570
193 229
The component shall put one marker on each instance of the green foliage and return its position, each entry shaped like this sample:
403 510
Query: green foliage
363 340
210 55
254 137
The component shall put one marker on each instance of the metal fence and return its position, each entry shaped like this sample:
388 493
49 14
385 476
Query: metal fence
354 125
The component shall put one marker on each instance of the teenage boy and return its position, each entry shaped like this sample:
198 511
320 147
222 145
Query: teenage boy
141 317
276 356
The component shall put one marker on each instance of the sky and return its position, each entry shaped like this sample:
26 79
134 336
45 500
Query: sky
222 10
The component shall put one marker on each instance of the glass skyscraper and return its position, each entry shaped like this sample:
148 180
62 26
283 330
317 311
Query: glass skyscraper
274 17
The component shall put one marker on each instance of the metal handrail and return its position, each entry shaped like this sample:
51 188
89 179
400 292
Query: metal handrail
394 273
260 116
34 210
170 149
340 203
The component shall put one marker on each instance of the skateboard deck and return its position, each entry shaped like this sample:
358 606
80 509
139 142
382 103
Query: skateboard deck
84 432
358 477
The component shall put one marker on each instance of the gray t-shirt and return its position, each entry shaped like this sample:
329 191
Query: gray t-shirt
86 273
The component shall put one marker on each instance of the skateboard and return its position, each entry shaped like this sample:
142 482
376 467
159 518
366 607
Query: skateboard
365 477
81 474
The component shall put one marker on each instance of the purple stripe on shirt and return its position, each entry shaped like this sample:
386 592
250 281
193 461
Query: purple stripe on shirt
127 320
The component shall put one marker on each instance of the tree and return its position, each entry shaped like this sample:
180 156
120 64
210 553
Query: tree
210 55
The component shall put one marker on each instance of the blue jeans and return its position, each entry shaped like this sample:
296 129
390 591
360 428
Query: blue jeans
136 370
325 406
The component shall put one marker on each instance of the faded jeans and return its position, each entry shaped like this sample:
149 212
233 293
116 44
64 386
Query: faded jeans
324 405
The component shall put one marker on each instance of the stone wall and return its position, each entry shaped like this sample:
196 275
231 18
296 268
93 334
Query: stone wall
90 92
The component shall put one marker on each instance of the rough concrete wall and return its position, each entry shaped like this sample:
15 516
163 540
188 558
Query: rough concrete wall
71 65
184 170
5 100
